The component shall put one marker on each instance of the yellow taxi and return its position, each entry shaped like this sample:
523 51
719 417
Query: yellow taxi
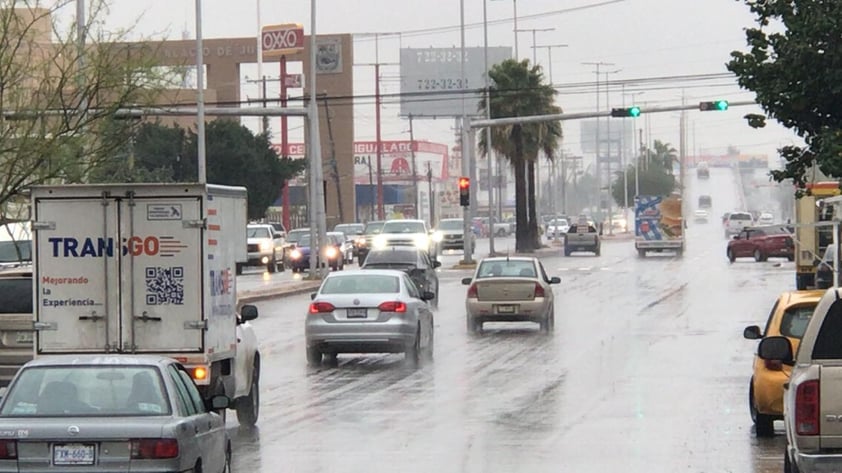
789 317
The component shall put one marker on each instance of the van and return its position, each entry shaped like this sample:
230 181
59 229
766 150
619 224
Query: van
736 222
16 331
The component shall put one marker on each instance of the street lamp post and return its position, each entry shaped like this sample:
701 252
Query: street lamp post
610 159
200 95
596 151
488 148
317 230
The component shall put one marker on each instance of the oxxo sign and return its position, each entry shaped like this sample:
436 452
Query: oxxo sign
277 40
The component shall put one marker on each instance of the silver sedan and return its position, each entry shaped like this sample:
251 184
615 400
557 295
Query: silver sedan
510 289
369 311
110 413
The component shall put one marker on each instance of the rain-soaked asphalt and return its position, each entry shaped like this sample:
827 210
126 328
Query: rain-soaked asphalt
647 371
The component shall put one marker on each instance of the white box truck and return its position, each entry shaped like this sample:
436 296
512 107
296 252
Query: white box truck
147 269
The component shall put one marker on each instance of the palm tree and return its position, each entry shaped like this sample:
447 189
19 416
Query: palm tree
518 89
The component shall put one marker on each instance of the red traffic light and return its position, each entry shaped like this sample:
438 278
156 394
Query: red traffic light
464 182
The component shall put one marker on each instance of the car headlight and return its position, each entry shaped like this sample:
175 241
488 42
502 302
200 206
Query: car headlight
265 246
295 254
360 241
331 252
421 241
437 237
379 242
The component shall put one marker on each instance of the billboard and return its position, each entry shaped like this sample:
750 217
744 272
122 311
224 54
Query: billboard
432 78
278 40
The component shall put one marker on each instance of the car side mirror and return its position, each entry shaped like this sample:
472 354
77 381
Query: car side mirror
466 281
437 264
428 296
752 332
555 280
312 296
248 312
217 403
776 349
736 237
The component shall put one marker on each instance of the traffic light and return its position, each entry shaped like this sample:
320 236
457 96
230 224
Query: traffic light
464 191
718 105
625 112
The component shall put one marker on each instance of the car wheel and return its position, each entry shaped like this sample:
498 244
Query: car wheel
272 266
428 350
597 252
758 256
566 252
239 269
280 265
790 258
501 233
731 256
473 326
248 408
314 356
413 352
764 425
789 465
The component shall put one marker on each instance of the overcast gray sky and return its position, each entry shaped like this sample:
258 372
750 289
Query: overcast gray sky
643 38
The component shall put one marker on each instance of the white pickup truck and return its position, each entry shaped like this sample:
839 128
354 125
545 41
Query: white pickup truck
147 269
813 395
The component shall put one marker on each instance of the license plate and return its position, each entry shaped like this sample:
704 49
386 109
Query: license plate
73 454
505 309
357 313
24 337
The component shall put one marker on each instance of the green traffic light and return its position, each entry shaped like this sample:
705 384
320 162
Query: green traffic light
721 105
635 111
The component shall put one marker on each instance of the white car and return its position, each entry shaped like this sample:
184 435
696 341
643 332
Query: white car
735 222
765 219
406 232
701 216
557 228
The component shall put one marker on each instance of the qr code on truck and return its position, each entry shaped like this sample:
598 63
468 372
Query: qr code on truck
164 285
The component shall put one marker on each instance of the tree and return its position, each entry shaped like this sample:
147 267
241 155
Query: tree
235 156
58 100
518 89
655 175
794 69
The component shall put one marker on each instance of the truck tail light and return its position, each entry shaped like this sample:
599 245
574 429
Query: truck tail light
392 306
539 290
8 449
147 449
321 307
473 292
807 408
200 373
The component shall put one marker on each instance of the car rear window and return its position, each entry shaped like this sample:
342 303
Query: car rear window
391 256
361 284
16 295
511 268
739 216
828 342
795 320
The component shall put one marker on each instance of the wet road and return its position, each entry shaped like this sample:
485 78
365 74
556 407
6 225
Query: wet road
647 370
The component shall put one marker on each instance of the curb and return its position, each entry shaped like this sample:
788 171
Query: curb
255 295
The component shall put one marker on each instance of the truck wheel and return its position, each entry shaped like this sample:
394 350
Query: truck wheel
248 407
314 356
641 252
272 266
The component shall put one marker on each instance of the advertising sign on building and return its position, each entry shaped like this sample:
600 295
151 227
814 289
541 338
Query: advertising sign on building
278 40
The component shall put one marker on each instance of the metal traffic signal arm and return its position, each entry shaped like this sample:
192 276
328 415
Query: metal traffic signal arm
480 123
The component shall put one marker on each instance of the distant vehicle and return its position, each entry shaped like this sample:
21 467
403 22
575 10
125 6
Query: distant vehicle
761 244
413 261
735 222
406 232
659 224
369 311
330 256
510 289
701 216
344 245
15 244
124 412
582 237
15 320
366 241
702 171
789 317
451 236
765 218
556 229
265 248
279 228
705 202
352 232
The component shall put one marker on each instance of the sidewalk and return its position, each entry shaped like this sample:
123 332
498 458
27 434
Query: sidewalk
277 289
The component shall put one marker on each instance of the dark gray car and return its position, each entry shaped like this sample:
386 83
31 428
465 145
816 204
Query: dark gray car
413 261
110 413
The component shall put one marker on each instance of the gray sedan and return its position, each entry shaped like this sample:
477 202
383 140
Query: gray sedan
110 413
369 311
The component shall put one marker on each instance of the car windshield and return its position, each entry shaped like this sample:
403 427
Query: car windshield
402 226
510 268
16 295
795 319
15 251
373 228
450 225
295 235
259 232
86 391
348 229
361 284
336 238
559 222
304 240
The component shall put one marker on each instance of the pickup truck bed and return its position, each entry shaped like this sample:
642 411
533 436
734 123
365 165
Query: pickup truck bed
579 238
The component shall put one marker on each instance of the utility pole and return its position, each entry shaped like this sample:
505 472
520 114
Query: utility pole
380 213
488 145
610 159
430 195
285 198
465 147
414 169
596 151
333 164
200 91
371 215
682 152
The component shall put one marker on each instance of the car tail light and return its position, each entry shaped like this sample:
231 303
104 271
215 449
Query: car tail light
321 307
392 306
146 449
8 449
473 292
539 290
807 408
773 365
